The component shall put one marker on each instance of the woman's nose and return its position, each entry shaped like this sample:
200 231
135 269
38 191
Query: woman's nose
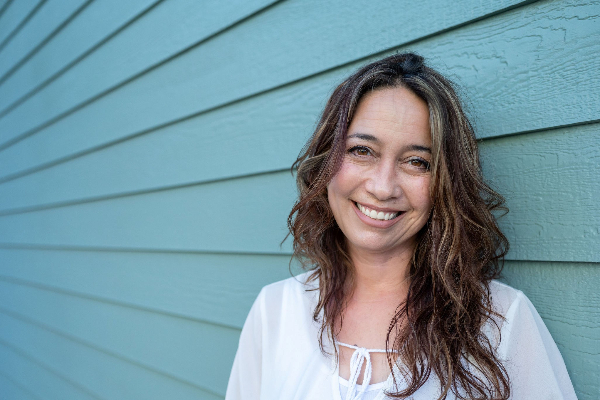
382 181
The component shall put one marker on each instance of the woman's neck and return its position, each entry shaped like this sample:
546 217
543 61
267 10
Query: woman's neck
376 277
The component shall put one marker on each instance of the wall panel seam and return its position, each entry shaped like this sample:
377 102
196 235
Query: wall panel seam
60 72
141 192
4 7
36 246
113 302
526 132
121 83
85 103
40 45
86 200
17 384
43 365
22 24
110 353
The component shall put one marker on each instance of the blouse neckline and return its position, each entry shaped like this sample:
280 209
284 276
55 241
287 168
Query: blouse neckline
356 391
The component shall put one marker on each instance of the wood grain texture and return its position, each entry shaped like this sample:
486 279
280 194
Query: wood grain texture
556 166
49 18
566 296
272 49
105 375
550 180
263 134
3 6
167 29
214 288
477 70
11 390
172 346
14 16
90 29
48 385
242 215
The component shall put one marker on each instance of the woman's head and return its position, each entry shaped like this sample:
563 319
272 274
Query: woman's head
454 171
380 196
455 242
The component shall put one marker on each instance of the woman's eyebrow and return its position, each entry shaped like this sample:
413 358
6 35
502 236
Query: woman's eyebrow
364 136
416 147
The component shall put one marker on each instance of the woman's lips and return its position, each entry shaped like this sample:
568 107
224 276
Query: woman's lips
393 216
377 214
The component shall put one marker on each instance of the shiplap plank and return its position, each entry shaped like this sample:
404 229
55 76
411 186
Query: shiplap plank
248 214
173 346
101 373
3 6
243 215
218 288
51 15
88 30
567 298
39 380
167 29
13 16
487 58
550 181
287 51
10 390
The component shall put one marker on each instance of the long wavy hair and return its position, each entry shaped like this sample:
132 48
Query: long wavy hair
438 328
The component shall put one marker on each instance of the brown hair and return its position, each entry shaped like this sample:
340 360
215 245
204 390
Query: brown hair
459 250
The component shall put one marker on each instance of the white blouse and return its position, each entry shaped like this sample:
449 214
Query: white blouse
279 357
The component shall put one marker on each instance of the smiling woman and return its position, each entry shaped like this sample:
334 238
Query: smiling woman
394 224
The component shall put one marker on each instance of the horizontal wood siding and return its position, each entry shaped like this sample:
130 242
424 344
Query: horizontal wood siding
145 149
51 17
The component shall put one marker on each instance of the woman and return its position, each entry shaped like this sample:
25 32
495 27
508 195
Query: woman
395 225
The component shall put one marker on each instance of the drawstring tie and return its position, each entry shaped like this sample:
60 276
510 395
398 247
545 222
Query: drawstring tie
359 357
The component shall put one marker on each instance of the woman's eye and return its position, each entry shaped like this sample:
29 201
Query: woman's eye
419 163
360 151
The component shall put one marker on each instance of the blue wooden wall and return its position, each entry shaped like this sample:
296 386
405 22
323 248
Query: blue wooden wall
144 182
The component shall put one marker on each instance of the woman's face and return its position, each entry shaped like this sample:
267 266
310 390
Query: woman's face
380 196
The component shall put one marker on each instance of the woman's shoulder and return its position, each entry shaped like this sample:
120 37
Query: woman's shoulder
504 296
287 297
298 285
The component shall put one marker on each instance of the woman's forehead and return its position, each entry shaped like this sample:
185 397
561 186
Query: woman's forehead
390 114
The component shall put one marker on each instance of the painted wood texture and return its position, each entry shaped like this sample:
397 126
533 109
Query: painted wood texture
545 88
196 286
557 167
562 292
15 17
267 43
144 181
51 17
21 369
104 374
566 296
12 390
165 344
95 25
140 47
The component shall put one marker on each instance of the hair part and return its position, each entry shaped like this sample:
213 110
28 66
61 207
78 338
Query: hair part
438 329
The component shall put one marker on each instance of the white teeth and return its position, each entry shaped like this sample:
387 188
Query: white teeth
376 215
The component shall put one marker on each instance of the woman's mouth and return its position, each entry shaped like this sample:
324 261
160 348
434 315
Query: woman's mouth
377 215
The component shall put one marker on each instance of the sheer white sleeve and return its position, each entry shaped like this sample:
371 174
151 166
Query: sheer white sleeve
245 378
534 363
